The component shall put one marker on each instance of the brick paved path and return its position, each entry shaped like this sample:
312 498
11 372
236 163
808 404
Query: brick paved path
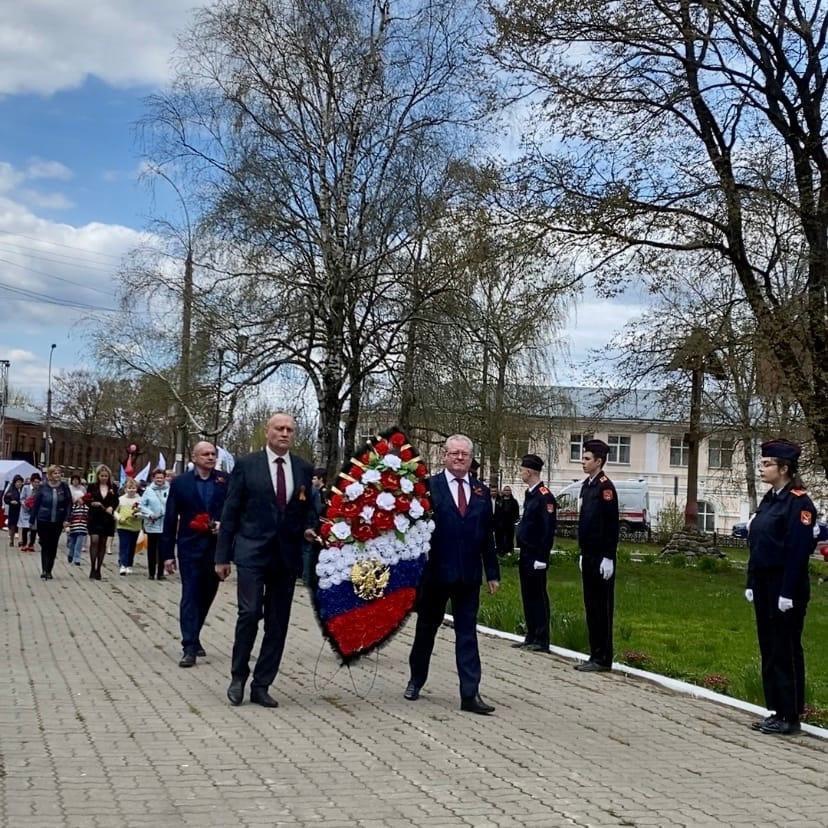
99 727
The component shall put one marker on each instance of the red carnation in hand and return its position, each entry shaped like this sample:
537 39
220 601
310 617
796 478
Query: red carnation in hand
369 496
407 454
420 488
29 502
382 520
87 498
390 481
403 504
356 472
202 522
381 447
421 471
363 531
397 439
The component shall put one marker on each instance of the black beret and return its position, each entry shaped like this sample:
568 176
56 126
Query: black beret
532 461
320 473
781 450
598 448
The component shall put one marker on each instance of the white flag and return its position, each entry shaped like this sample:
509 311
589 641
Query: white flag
162 462
226 461
143 475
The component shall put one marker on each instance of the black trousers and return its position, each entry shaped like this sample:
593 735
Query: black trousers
599 604
505 540
49 535
155 565
535 603
264 591
465 600
199 584
780 646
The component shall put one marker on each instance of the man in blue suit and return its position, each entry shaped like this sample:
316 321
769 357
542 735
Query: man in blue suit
191 522
268 514
461 547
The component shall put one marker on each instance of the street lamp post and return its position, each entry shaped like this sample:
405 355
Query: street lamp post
48 447
4 399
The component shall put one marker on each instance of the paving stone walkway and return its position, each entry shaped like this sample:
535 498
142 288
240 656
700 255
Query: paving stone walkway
99 727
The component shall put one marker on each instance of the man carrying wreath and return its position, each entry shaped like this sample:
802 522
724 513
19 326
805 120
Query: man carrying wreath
191 522
462 547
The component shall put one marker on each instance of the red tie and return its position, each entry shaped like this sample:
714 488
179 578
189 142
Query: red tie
462 503
281 485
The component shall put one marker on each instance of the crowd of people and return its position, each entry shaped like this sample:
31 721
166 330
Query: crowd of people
264 520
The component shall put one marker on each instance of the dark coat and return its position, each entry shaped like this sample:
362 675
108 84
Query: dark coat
184 503
461 546
506 513
52 504
101 523
598 519
12 498
536 531
253 529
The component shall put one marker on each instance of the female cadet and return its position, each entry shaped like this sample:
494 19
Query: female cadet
781 539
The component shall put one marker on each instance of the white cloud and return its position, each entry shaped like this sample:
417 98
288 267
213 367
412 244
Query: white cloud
45 201
57 44
41 168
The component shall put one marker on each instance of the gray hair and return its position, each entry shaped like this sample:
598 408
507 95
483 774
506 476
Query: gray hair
460 438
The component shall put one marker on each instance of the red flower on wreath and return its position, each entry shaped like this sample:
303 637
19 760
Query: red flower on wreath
363 531
425 503
381 447
407 454
369 496
202 522
325 530
403 504
350 510
390 481
382 521
421 471
364 457
397 439
356 472
420 488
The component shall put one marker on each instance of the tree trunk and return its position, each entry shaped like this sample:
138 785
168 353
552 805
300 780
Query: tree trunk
749 454
352 418
691 510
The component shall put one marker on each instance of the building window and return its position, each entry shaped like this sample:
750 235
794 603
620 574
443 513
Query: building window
679 451
619 448
720 454
707 517
576 446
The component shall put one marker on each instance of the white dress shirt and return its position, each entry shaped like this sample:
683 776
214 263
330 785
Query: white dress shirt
454 487
271 459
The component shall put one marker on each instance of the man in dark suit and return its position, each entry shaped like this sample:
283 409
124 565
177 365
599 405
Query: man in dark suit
268 513
461 547
191 522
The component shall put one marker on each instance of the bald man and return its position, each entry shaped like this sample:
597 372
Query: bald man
191 522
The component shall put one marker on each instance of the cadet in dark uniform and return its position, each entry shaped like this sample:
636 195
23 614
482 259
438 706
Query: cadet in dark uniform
781 539
535 536
506 515
598 542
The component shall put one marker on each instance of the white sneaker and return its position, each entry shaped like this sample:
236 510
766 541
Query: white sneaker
122 571
129 570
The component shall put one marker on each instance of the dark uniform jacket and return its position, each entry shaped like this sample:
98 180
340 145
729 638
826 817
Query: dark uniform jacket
506 513
598 519
781 537
536 530
461 546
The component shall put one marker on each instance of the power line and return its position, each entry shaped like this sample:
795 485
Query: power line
58 278
68 261
58 244
51 300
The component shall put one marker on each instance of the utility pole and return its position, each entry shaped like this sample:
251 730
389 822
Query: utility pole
184 365
4 401
47 448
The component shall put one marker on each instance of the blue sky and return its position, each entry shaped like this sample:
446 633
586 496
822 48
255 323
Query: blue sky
72 86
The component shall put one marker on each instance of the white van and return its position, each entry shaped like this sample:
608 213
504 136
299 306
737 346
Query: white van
633 505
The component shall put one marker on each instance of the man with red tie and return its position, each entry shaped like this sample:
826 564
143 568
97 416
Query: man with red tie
267 516
461 547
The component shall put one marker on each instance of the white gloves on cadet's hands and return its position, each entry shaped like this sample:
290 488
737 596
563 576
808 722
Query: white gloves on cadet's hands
785 604
537 565
749 596
607 568
581 563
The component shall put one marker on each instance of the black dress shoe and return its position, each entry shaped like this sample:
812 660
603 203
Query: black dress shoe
779 727
412 692
43 576
200 652
187 660
235 692
519 645
262 697
538 648
759 724
592 667
474 704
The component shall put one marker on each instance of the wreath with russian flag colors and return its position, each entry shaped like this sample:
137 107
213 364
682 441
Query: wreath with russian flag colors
376 533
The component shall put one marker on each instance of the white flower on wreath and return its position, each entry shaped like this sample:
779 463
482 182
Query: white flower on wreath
354 491
416 509
401 523
341 530
386 501
371 476
406 485
391 461
367 513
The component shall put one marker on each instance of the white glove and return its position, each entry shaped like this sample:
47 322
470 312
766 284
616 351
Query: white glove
581 563
749 596
785 604
536 565
607 568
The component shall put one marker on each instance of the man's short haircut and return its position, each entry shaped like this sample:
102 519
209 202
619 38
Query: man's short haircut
460 438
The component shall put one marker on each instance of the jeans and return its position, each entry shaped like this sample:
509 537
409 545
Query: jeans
76 542
127 541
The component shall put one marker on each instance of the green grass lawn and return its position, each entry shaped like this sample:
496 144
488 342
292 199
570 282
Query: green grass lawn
681 621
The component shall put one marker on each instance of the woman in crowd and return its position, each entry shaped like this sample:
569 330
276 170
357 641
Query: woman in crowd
153 506
13 499
28 523
103 502
78 529
128 518
52 504
78 491
781 539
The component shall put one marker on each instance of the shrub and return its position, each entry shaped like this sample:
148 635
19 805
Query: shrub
668 521
716 682
678 561
816 715
706 564
637 659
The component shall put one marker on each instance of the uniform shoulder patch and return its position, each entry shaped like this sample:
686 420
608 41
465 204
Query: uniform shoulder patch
806 517
798 492
544 490
608 494
603 478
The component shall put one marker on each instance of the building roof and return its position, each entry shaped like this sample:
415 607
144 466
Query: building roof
616 404
24 415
